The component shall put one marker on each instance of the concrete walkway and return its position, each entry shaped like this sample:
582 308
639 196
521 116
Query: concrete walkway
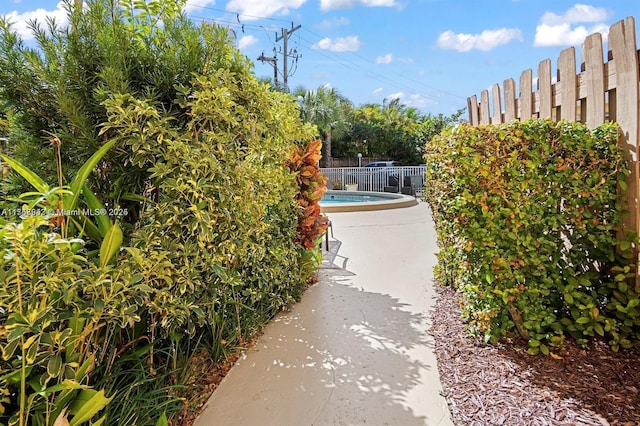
355 350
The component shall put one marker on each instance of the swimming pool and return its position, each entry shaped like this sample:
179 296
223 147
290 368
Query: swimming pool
349 201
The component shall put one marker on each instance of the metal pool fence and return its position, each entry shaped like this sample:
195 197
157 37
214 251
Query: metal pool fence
408 179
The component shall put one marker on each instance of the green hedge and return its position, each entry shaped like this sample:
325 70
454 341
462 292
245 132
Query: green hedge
527 216
198 167
205 268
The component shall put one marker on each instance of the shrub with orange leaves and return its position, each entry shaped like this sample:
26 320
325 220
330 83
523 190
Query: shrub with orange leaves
312 185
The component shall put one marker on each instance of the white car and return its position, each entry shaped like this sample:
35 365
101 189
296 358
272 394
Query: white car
382 176
383 164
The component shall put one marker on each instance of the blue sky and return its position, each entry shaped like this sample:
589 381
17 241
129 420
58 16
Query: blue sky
432 54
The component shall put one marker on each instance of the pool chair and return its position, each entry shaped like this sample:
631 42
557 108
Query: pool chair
413 185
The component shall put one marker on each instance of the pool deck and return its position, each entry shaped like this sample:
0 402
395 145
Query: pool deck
356 349
385 201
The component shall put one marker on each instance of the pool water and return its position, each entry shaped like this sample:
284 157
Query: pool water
348 198
350 201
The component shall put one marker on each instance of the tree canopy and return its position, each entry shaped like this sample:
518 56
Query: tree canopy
390 130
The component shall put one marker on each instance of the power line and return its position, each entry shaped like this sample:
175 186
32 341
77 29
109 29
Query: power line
238 14
400 75
284 36
380 77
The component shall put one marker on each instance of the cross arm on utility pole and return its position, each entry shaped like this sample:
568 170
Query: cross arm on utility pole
284 36
274 63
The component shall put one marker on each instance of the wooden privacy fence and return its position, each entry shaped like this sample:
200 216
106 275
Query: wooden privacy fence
601 91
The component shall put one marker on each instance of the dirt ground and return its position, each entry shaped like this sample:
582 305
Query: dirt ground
503 385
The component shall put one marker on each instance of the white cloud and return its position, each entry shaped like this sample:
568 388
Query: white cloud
19 20
378 91
557 30
406 60
419 101
326 5
386 59
328 24
251 10
486 40
578 13
196 5
564 35
246 41
415 100
340 44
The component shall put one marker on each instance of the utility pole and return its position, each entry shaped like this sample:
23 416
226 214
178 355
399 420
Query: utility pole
274 63
285 51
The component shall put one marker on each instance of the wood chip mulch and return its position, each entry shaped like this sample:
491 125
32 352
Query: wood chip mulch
503 385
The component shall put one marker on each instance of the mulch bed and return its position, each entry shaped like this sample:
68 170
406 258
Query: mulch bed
503 385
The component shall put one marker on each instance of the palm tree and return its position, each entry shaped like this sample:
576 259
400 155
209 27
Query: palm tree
324 107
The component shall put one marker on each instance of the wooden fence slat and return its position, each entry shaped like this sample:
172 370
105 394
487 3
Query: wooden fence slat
484 107
623 45
497 104
567 79
594 80
612 83
509 100
472 105
544 88
526 95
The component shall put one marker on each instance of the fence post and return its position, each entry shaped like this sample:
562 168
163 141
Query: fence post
526 95
472 104
544 88
594 80
623 46
568 80
510 111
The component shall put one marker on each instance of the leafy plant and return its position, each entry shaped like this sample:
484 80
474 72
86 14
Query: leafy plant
61 202
43 365
168 120
312 185
527 216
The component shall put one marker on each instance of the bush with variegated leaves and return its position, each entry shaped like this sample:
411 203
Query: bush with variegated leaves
312 185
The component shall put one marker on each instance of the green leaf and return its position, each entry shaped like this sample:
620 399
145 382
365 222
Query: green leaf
533 351
9 349
104 224
569 298
80 178
86 405
633 303
162 421
67 384
111 244
623 184
35 180
544 350
84 224
489 277
54 366
598 328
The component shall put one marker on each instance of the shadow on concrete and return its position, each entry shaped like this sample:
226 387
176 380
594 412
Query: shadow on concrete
330 258
354 352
